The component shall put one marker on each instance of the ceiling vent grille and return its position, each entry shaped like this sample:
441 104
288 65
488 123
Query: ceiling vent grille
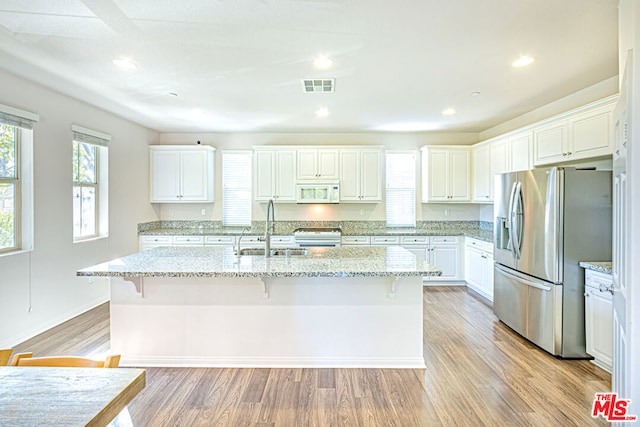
318 85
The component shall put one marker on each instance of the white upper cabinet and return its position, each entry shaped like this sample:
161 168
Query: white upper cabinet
580 134
482 185
550 143
274 175
317 164
446 173
361 175
499 159
181 174
520 148
503 154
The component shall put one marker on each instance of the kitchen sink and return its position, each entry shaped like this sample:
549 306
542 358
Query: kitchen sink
274 252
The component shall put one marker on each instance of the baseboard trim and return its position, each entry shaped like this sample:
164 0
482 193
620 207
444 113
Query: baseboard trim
273 362
23 336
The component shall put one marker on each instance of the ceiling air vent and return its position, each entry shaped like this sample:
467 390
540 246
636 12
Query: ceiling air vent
318 85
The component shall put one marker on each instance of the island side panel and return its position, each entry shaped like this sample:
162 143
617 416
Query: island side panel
280 322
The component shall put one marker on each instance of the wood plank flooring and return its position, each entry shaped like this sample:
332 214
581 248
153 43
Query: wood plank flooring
478 373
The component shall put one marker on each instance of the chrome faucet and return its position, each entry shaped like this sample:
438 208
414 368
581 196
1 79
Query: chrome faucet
240 238
269 230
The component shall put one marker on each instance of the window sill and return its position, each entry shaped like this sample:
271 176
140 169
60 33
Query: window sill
91 239
16 252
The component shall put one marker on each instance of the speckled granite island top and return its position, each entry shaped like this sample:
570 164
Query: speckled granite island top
222 262
602 267
349 228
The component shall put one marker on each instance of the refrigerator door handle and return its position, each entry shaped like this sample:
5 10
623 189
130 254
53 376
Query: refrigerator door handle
510 224
522 280
516 223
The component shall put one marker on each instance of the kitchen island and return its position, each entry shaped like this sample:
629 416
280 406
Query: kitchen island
205 306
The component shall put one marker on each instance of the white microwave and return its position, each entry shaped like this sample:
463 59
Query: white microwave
318 192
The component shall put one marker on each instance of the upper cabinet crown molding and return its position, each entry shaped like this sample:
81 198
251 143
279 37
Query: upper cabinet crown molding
181 173
581 133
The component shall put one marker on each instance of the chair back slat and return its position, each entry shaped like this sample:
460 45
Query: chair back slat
5 355
26 359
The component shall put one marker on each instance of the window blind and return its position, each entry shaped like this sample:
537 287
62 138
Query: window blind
236 187
401 189
19 118
89 136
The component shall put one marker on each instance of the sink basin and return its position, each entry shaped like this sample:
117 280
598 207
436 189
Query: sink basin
289 252
274 252
251 251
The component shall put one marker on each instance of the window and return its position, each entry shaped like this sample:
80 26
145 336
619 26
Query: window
10 207
16 179
236 187
85 190
89 183
401 188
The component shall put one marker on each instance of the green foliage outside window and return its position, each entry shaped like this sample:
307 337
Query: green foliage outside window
8 176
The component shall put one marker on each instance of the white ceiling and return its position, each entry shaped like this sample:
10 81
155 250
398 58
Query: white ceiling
236 65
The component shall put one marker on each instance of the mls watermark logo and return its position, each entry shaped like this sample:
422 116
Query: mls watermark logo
611 408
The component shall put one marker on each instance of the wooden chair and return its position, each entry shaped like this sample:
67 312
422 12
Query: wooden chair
5 355
26 359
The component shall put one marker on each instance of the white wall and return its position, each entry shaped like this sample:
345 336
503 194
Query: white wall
39 289
343 211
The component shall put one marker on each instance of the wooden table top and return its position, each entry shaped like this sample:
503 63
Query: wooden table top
34 396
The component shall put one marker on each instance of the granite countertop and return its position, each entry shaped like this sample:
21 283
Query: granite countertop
602 267
481 234
367 261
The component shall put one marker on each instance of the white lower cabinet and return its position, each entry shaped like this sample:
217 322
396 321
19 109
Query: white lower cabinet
148 242
219 240
445 254
479 266
385 240
188 241
283 241
441 251
355 241
598 312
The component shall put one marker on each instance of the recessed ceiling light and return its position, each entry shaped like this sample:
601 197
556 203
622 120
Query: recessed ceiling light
523 61
448 112
322 62
125 63
322 112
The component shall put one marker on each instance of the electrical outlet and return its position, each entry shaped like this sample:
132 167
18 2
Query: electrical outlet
203 211
447 212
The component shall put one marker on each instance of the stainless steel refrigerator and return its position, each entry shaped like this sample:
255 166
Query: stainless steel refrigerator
546 222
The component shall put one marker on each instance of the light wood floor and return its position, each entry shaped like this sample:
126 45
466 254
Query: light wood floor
478 373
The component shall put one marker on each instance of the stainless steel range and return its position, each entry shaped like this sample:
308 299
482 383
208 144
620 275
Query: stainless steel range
317 236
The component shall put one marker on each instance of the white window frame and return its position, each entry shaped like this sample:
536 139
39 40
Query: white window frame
403 214
16 182
100 141
23 122
236 211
